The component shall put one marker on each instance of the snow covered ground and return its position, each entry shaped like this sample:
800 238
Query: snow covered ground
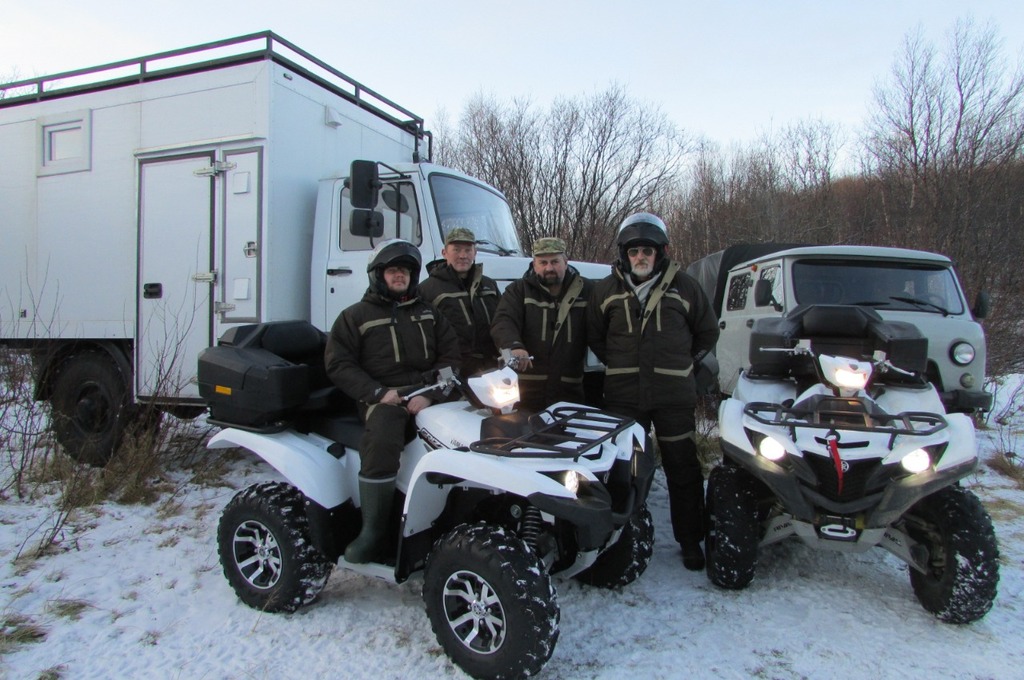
137 591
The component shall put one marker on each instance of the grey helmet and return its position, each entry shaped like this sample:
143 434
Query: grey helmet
396 252
641 229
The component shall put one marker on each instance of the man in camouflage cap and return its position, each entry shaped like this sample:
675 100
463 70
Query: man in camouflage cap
543 316
458 288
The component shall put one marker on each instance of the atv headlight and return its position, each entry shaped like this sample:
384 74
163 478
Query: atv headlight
772 449
845 373
916 461
496 389
571 482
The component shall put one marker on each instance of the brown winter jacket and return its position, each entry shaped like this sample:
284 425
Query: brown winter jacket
379 343
468 305
529 317
649 352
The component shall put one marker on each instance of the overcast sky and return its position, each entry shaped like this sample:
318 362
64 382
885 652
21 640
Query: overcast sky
726 70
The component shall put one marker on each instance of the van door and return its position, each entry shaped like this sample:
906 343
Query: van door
739 314
176 274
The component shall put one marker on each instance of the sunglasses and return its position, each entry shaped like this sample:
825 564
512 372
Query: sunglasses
646 250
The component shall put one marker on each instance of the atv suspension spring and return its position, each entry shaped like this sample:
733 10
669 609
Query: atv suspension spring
530 526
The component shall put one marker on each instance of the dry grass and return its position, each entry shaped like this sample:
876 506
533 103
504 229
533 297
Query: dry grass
17 630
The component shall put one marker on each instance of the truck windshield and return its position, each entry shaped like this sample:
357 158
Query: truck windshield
884 285
465 204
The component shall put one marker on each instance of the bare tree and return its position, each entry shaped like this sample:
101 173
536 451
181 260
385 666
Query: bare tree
576 170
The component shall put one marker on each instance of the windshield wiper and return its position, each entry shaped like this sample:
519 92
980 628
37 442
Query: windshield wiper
920 303
501 251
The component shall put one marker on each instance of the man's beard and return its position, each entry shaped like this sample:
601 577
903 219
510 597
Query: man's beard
550 279
643 272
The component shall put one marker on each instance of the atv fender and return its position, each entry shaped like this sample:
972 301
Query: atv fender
303 459
439 469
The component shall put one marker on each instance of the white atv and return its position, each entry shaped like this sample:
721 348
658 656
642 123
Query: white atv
490 502
833 436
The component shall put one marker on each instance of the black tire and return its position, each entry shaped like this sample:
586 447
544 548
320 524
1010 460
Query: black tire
265 549
624 562
89 401
963 573
733 534
490 602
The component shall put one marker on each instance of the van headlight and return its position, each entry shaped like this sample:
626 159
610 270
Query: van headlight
962 353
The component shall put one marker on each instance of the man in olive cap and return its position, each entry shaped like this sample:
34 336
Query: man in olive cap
542 319
459 290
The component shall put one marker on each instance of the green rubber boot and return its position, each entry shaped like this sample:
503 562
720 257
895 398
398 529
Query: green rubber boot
376 496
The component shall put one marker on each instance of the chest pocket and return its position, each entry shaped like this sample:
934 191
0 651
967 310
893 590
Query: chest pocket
425 325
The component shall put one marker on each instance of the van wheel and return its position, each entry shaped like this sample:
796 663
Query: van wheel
89 403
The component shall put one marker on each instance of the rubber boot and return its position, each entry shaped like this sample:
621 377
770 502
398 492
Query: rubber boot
376 496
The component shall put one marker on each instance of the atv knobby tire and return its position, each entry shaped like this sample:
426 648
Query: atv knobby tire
733 534
490 602
963 561
624 562
265 550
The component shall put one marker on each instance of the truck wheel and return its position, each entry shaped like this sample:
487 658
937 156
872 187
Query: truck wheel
89 404
963 557
490 602
265 549
624 562
731 544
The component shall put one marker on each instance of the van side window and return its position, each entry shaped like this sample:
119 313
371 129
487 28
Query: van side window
399 211
771 273
738 287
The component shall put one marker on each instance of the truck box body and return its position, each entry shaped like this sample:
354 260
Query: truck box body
145 215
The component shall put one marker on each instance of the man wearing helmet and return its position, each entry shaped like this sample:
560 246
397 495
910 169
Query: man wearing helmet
541 318
650 323
379 349
467 299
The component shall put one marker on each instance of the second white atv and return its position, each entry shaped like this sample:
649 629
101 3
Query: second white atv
490 503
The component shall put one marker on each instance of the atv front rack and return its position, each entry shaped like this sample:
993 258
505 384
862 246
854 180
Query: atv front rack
834 413
563 432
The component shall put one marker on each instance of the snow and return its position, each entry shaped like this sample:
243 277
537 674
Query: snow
152 602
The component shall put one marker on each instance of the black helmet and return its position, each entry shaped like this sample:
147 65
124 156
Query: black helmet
641 229
394 252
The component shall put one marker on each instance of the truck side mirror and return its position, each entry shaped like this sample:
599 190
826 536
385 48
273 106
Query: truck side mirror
982 305
763 295
368 223
363 184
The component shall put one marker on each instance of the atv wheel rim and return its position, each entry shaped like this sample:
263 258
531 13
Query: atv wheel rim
474 612
257 554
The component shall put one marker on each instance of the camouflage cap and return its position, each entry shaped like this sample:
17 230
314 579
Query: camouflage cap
548 246
460 235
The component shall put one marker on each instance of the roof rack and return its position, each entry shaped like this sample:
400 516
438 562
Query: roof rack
264 45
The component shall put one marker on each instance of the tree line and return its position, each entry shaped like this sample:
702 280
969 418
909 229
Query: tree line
937 166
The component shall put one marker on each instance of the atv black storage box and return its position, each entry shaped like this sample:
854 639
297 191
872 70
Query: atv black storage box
260 374
833 329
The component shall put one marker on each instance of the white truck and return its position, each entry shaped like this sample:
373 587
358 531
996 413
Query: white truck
746 282
148 205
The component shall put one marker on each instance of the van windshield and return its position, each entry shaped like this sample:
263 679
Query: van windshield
884 285
465 204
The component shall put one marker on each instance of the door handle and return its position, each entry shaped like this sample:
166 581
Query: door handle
339 271
721 324
750 323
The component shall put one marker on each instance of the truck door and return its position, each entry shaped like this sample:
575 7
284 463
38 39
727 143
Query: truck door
176 273
740 311
349 254
238 286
